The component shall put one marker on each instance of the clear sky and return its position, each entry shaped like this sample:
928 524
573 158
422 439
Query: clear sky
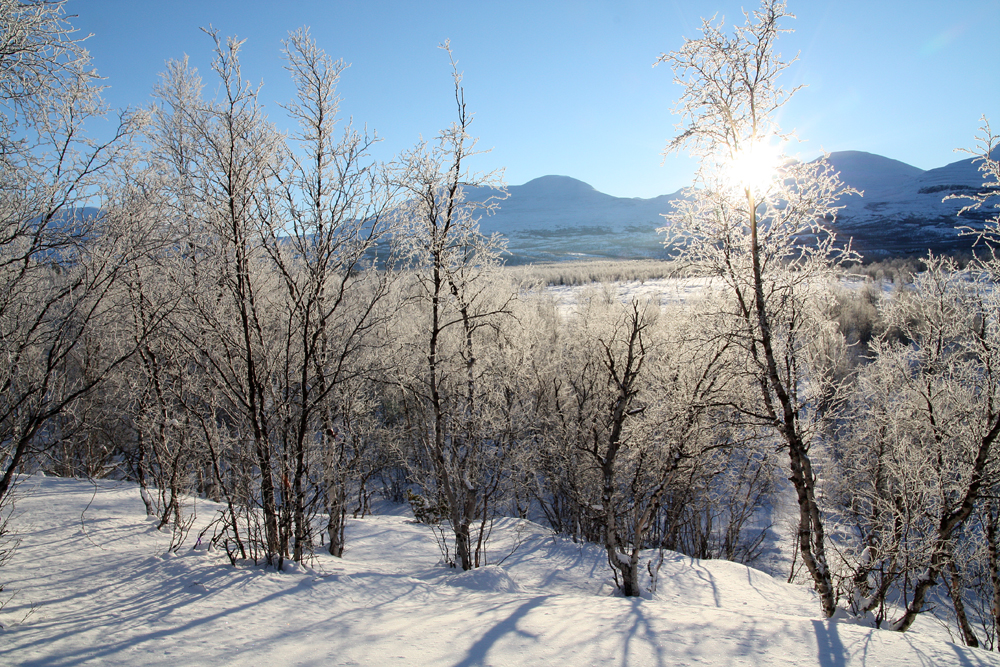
569 88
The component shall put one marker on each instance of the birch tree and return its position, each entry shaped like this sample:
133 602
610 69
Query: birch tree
454 267
334 204
757 221
641 398
224 157
922 441
59 262
281 296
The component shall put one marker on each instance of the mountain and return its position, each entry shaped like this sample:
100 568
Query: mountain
900 212
557 217
872 173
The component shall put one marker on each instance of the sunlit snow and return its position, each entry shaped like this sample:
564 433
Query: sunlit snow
93 584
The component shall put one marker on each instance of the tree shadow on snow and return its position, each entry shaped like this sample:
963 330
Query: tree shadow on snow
476 654
642 630
165 600
830 650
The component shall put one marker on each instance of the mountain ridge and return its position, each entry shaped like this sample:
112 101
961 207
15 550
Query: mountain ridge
900 212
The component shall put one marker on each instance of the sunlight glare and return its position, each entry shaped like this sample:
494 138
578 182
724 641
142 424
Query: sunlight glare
755 168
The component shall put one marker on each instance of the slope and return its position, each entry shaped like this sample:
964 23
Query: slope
558 217
97 587
901 212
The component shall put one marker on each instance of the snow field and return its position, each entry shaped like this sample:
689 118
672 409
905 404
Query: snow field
93 585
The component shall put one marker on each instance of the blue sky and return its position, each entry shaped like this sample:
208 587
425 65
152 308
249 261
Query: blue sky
568 87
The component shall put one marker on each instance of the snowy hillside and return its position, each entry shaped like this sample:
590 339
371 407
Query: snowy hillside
874 174
558 217
94 585
901 212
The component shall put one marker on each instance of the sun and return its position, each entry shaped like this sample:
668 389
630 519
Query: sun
755 167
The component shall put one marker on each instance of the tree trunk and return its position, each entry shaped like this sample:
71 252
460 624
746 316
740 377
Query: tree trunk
955 590
812 541
993 560
336 514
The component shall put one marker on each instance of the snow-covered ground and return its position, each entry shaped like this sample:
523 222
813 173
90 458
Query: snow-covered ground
93 584
668 291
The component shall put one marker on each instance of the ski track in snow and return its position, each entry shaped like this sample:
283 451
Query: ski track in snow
98 588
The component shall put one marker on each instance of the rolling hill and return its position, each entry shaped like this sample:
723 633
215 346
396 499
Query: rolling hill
901 212
94 583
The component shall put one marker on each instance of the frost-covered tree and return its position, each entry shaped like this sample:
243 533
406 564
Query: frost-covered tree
988 161
461 305
617 360
334 221
275 262
640 391
921 441
757 221
60 263
918 462
630 443
225 158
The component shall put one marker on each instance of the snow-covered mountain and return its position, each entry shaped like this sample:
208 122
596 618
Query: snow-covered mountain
873 173
900 212
558 217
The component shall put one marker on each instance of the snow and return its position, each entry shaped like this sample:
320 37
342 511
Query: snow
873 174
554 218
94 585
666 291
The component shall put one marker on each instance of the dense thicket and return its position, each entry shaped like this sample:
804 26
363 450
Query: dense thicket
210 307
